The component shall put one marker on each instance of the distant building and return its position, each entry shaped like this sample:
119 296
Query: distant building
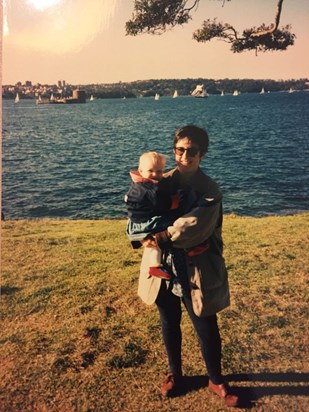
79 96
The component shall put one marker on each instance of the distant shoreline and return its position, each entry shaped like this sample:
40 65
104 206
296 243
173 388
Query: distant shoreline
147 88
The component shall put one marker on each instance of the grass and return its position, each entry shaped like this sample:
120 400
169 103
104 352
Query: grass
75 336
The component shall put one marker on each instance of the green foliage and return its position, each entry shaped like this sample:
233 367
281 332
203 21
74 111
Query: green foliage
166 87
157 16
281 39
211 30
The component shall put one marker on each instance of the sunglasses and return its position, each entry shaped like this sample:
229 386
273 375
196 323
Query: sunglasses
191 151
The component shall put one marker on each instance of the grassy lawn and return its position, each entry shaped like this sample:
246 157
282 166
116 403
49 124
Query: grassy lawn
75 336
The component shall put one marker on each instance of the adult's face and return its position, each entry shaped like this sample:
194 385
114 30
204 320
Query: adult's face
187 155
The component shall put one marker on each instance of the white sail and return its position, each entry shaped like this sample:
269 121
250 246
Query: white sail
235 93
262 91
157 96
17 98
91 98
175 94
199 91
222 93
52 98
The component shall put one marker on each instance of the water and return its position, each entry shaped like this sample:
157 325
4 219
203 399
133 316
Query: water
72 161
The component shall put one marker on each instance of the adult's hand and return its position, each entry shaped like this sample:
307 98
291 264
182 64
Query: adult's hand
149 241
163 240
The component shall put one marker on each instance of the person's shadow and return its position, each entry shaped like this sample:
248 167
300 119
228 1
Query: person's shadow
248 395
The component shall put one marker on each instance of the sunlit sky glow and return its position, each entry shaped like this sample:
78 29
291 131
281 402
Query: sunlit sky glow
85 42
56 26
43 4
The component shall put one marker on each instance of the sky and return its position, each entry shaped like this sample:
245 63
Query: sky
84 42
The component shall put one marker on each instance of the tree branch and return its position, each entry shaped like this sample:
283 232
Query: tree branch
196 3
273 27
158 16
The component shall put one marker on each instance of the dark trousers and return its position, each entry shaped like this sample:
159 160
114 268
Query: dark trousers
169 307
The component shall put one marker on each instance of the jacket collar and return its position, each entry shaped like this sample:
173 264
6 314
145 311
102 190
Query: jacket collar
137 178
183 178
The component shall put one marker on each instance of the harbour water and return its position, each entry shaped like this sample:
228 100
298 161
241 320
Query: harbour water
72 161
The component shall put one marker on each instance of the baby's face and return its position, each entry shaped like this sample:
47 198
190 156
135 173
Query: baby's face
151 169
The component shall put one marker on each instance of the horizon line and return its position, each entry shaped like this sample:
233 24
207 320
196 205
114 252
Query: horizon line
159 79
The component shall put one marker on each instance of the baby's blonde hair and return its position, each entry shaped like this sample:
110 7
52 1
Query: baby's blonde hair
155 156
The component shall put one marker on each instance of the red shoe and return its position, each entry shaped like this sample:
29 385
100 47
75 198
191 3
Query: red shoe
171 385
222 391
159 272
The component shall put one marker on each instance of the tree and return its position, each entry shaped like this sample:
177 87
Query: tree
158 16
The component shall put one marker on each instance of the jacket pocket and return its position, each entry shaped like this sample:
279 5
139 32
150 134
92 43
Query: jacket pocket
208 283
207 271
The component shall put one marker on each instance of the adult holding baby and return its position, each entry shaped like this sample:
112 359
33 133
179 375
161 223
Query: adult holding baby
205 289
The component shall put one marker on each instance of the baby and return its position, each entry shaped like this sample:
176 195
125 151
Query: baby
151 206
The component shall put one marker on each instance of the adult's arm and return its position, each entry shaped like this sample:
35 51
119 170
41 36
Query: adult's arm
193 228
200 223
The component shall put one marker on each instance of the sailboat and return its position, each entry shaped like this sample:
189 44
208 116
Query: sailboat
235 93
291 90
175 94
91 98
17 98
222 93
157 96
199 91
262 91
